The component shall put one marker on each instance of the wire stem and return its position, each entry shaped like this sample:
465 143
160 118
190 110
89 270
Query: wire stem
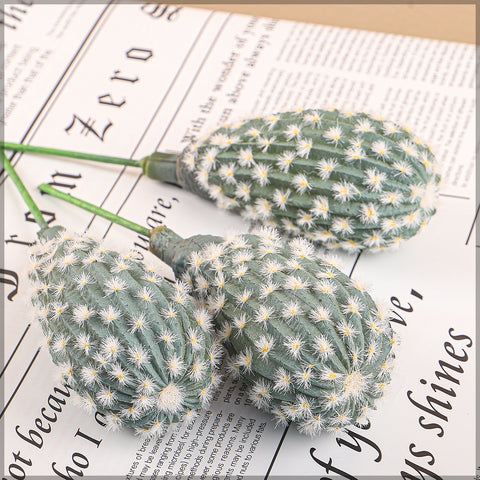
45 188
19 147
34 210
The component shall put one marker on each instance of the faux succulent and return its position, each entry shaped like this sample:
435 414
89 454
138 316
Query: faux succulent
127 341
311 343
348 180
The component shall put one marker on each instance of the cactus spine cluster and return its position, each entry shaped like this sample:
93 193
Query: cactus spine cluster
132 345
347 180
311 343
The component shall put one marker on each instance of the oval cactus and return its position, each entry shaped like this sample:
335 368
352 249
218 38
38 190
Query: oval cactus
311 343
347 180
127 341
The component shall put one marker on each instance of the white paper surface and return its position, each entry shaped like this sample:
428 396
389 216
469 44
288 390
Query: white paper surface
127 80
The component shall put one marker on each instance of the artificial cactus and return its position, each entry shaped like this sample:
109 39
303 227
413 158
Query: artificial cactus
312 344
128 342
348 180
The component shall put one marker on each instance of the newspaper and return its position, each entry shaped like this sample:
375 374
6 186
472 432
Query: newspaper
126 80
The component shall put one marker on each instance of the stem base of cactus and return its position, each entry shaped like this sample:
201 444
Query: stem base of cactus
161 165
174 250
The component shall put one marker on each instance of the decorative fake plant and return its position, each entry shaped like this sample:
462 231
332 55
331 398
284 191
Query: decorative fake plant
348 180
311 343
127 341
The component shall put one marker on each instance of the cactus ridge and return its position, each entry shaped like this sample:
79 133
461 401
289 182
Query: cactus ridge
349 180
311 343
128 342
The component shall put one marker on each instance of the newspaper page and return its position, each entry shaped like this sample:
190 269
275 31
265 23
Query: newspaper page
126 80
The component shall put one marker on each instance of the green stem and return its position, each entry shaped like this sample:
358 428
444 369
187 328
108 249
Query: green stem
34 210
45 188
19 147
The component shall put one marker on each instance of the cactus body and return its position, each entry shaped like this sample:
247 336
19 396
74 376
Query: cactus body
132 345
347 180
313 345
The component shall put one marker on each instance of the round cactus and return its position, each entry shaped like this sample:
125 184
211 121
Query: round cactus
311 343
128 342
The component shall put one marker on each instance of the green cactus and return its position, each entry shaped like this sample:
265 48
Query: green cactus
311 343
128 342
347 180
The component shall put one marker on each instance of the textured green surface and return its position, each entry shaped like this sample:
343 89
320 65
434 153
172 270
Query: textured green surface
130 343
352 181
311 343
